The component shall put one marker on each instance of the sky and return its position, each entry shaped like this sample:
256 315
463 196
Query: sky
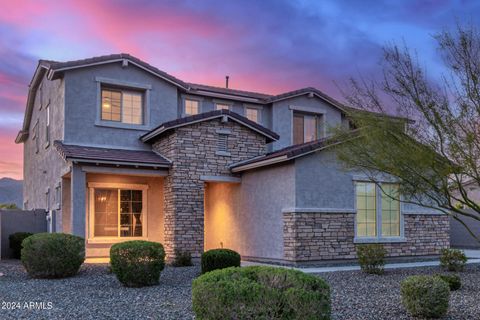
269 46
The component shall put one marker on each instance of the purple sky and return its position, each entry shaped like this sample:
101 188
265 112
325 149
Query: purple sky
269 45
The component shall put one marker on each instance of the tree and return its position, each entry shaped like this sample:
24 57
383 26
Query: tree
433 149
8 206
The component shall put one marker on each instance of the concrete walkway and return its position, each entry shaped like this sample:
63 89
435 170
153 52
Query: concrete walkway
472 255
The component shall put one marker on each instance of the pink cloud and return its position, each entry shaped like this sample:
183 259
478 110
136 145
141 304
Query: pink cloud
11 155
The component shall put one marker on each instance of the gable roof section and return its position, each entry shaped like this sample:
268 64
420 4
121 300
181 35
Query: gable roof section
57 68
111 156
170 125
289 153
238 94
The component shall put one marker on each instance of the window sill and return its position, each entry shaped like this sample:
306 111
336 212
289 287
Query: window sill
113 240
122 125
380 240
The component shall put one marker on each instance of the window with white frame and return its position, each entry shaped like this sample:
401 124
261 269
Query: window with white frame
305 127
222 106
47 125
58 196
192 107
117 212
35 137
122 106
378 210
253 114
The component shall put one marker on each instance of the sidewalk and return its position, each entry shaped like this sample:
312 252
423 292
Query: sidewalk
473 257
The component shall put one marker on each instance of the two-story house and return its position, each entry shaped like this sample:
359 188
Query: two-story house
121 150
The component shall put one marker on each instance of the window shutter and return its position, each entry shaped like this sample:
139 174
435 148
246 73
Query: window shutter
222 143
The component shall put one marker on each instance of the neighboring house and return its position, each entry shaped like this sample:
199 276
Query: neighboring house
121 150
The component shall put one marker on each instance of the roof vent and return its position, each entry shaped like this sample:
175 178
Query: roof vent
226 81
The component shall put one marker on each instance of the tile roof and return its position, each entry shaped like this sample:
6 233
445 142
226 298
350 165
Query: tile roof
295 151
109 155
247 94
55 65
166 126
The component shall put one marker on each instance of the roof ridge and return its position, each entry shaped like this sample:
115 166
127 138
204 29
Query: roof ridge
230 89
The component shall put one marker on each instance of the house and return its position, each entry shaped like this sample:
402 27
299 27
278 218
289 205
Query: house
121 150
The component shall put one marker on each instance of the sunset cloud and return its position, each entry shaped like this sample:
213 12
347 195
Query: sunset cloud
270 46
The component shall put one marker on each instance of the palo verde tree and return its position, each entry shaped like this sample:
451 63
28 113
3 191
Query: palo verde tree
433 149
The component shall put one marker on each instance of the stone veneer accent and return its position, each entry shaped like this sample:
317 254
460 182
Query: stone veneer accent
192 149
330 236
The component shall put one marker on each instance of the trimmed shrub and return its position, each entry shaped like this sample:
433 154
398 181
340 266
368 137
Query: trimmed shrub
452 259
453 281
219 258
15 240
137 263
425 296
260 293
371 258
182 259
52 255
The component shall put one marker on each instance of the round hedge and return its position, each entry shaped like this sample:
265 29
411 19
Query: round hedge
453 281
15 240
137 263
260 293
52 255
219 259
425 296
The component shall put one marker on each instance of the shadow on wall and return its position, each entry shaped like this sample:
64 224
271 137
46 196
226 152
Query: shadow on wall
12 221
460 237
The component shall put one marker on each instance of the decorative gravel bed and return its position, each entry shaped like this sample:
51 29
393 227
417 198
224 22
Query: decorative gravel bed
357 296
94 294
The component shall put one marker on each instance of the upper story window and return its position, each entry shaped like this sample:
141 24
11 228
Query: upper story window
122 106
192 107
253 114
305 127
35 137
47 126
222 106
378 211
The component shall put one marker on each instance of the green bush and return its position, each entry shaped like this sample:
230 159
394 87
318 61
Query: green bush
182 259
15 240
452 259
260 293
371 258
425 296
52 255
218 259
137 263
453 281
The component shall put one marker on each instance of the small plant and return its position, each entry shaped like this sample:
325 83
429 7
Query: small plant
219 258
137 263
371 258
425 296
52 255
453 281
15 240
182 259
260 293
452 259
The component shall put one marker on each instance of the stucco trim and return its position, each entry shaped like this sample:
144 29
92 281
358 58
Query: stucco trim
424 213
221 179
135 164
307 109
125 171
319 210
123 83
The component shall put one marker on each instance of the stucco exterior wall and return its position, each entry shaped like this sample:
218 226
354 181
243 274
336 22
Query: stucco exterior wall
247 217
42 170
282 116
82 105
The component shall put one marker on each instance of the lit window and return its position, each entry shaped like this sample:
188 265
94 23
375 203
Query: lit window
122 106
222 106
192 107
370 212
305 128
118 212
253 114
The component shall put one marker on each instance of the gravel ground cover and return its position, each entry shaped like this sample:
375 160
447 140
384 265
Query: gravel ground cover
96 294
357 296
